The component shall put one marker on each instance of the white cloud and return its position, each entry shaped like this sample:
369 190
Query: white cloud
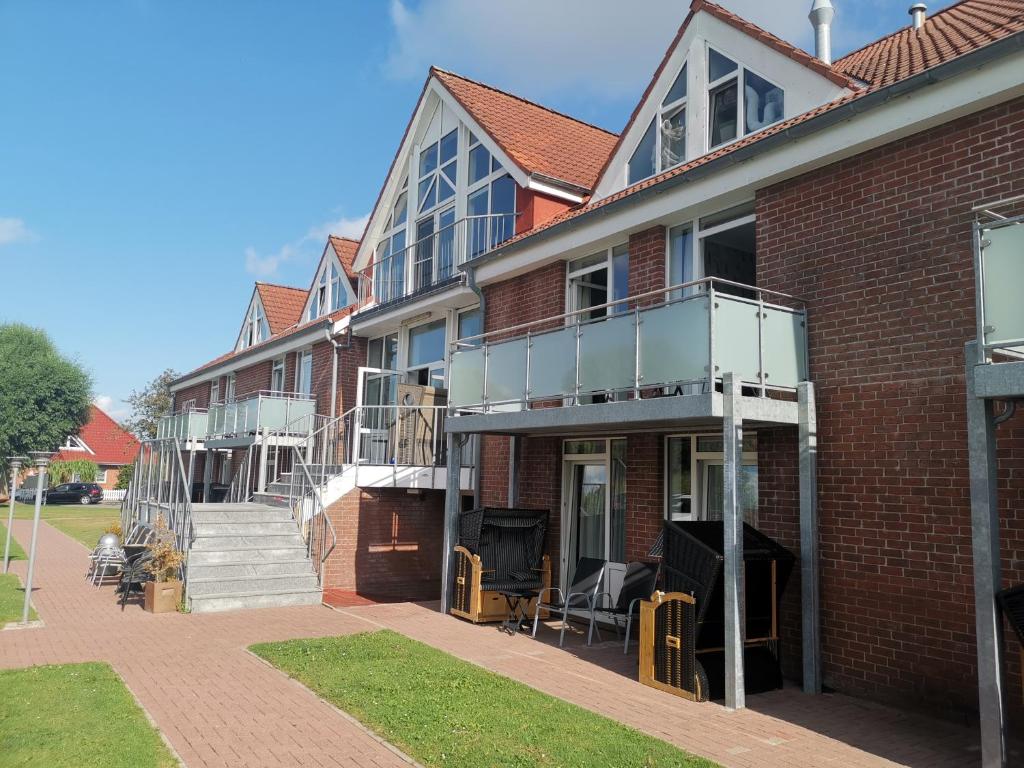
266 265
115 409
605 47
14 230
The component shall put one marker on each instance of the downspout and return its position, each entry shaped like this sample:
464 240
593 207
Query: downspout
334 366
478 443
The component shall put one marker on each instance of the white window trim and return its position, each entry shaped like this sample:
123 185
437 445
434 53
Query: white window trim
405 348
230 383
255 326
741 118
697 236
215 391
277 366
696 496
329 259
301 385
608 263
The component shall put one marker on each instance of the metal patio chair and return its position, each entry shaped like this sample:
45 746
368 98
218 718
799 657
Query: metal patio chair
583 594
638 584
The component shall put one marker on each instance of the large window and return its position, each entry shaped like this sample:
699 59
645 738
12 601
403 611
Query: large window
330 293
425 364
277 375
491 201
215 391
663 145
599 279
694 477
471 323
229 388
729 116
304 372
389 270
255 329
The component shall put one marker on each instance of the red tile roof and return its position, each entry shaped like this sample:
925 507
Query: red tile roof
947 34
993 33
109 442
282 304
537 139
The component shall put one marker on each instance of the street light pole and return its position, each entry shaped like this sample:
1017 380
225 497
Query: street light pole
15 462
42 460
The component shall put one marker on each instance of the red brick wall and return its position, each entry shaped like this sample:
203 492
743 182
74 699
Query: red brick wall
647 263
323 360
252 379
645 493
880 246
348 373
389 544
201 393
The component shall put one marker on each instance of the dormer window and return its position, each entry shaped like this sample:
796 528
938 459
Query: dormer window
663 145
762 102
256 328
438 165
330 294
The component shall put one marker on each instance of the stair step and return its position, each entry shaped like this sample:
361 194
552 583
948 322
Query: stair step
199 557
225 528
265 514
239 601
249 585
249 568
255 541
242 506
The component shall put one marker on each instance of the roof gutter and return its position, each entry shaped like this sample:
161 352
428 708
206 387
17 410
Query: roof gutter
870 100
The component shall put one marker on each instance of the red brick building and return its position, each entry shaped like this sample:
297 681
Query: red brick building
752 304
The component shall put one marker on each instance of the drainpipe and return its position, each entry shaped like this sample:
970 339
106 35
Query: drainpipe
477 449
334 366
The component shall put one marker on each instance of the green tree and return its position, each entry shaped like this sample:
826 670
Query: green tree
124 477
44 397
149 404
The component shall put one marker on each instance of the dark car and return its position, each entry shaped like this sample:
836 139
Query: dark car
74 493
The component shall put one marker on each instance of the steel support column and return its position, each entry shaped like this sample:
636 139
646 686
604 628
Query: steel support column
261 471
810 595
514 449
732 517
207 475
452 508
981 444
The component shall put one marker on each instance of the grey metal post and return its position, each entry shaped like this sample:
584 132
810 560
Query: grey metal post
41 459
810 589
15 462
452 507
732 518
981 447
514 449
207 474
261 472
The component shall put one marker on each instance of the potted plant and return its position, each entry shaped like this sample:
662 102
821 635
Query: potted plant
163 593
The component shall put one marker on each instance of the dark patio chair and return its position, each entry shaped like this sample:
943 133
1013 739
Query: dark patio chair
638 584
583 594
134 573
1012 603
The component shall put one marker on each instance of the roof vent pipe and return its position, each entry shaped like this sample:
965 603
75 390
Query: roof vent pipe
821 16
917 13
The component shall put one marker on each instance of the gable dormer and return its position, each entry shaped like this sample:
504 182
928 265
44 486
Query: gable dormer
332 288
475 167
722 79
272 309
255 327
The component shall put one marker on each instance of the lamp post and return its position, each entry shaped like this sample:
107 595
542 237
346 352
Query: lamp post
42 460
15 465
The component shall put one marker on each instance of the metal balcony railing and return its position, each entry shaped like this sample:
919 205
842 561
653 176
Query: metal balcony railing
183 425
680 339
998 276
260 413
434 259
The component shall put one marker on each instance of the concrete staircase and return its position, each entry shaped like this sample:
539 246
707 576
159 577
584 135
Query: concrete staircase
248 556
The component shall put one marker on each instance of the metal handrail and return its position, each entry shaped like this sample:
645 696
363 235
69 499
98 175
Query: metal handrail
467 341
318 526
480 240
241 486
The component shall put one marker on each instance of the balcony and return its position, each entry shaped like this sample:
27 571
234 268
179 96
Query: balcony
238 423
640 350
184 425
434 260
999 274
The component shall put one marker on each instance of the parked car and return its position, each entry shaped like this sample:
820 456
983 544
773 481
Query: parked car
74 493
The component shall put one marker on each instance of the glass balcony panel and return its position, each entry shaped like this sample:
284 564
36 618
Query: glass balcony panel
736 338
299 415
784 351
674 342
506 371
199 423
466 377
1003 265
553 363
273 412
608 354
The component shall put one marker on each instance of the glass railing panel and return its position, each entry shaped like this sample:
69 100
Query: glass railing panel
553 363
608 354
466 377
198 424
736 340
273 412
674 343
506 371
1003 265
785 360
299 414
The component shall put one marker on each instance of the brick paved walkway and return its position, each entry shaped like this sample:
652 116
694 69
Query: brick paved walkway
217 705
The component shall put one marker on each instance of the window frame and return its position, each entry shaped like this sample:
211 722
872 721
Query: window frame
739 75
608 263
277 369
698 502
303 387
256 328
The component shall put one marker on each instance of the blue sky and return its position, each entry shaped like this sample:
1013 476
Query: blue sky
158 156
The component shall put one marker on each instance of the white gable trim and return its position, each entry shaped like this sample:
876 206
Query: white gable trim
804 89
255 301
76 443
434 93
328 258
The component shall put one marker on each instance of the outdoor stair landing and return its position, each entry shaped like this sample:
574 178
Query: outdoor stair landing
248 556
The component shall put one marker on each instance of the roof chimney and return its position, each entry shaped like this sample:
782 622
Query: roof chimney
821 16
917 12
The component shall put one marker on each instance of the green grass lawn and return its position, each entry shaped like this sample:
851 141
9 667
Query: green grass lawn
447 712
12 600
75 716
17 553
83 523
